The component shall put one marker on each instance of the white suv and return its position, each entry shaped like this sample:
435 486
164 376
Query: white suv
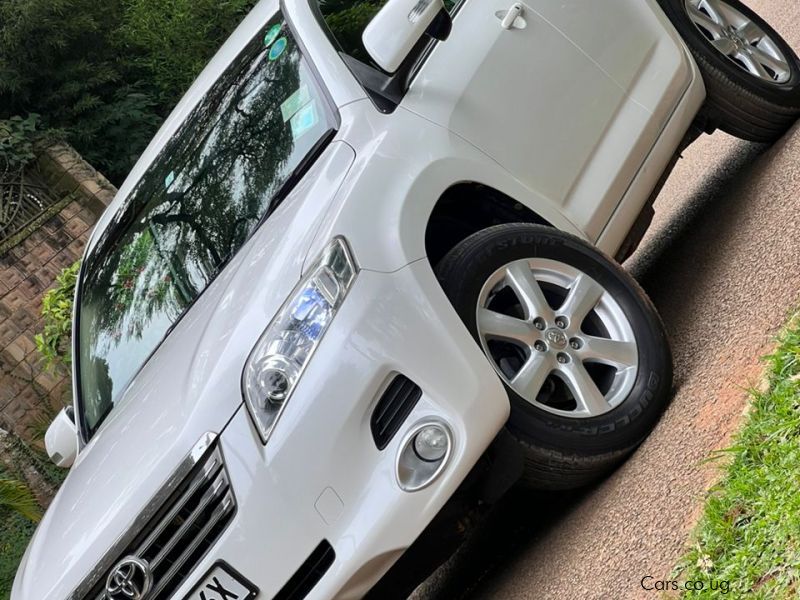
361 283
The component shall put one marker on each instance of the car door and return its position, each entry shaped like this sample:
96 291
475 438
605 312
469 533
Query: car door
569 99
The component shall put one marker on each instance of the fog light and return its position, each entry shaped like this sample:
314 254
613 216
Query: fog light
423 455
431 443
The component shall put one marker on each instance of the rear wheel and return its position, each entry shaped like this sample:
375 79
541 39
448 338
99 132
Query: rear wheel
577 344
752 75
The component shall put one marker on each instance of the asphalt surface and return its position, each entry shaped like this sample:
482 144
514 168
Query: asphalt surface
722 264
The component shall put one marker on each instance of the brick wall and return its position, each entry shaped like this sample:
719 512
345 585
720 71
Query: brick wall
29 269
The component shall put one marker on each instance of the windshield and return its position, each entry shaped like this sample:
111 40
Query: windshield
217 179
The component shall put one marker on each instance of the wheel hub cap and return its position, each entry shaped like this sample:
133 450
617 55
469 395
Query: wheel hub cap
556 339
739 38
729 33
577 360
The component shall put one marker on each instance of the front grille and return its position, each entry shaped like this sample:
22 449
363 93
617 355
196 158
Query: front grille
393 409
309 574
176 531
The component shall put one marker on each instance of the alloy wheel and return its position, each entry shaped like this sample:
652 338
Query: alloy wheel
739 38
557 337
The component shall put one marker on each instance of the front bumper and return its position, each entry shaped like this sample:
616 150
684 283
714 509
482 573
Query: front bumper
321 477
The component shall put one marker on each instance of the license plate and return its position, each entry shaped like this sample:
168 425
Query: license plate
223 582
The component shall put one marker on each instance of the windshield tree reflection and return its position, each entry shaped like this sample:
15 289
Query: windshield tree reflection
214 182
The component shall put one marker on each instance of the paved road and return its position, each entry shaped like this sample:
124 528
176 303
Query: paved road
722 264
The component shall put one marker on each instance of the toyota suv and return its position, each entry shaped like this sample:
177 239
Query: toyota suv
366 278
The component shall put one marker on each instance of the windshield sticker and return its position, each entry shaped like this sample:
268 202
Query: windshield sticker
295 102
272 35
277 48
304 121
169 179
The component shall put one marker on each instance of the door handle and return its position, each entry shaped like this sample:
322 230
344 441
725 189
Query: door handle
509 20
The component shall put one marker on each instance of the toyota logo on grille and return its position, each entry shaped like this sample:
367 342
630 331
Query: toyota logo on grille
131 579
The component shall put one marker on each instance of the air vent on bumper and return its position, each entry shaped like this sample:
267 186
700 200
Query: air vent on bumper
309 574
393 409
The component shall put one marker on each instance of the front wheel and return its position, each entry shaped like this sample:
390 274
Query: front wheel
579 347
752 75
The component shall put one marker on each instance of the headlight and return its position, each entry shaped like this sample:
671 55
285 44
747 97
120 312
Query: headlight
284 349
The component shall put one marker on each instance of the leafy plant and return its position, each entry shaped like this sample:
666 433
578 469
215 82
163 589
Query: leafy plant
16 497
17 136
53 342
113 135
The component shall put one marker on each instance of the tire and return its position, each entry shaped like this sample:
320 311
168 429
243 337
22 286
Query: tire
746 105
565 446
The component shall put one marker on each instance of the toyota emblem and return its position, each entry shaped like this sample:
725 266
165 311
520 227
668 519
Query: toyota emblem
556 338
131 579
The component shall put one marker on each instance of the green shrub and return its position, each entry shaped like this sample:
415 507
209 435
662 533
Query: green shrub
17 136
17 498
114 134
56 54
26 457
172 40
15 531
54 341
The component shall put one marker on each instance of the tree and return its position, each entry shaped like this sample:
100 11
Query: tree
107 73
59 58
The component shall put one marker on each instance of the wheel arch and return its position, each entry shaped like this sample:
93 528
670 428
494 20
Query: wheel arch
466 208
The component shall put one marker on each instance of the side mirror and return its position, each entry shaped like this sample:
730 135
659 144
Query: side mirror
61 439
399 25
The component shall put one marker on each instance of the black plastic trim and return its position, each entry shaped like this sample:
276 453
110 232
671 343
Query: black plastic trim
393 409
309 574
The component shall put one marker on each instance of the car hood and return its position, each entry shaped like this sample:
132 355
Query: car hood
189 387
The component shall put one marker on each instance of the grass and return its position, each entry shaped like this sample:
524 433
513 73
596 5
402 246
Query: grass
15 529
749 534
15 532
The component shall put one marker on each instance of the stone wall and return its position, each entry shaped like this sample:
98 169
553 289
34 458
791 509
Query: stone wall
28 390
